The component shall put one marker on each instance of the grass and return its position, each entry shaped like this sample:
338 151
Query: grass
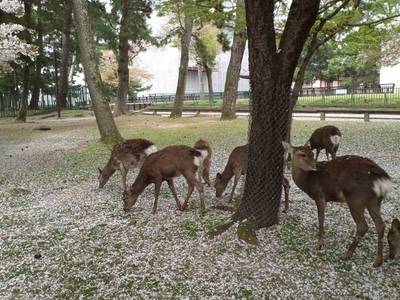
91 249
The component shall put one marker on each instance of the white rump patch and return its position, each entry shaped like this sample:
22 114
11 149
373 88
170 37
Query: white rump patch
150 150
382 187
197 161
204 153
335 139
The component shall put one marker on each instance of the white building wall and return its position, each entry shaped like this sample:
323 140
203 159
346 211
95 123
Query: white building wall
390 75
163 66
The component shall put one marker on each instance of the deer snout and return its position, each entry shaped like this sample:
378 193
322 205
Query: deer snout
313 166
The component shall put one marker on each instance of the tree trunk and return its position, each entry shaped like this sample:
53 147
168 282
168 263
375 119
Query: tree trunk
210 84
37 81
271 74
299 79
180 89
235 63
23 110
201 83
123 62
62 89
108 131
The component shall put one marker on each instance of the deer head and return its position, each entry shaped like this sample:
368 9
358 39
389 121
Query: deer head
302 157
220 185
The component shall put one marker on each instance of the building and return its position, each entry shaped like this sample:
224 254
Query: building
163 66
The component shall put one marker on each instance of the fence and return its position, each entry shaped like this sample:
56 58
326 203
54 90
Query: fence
378 96
77 97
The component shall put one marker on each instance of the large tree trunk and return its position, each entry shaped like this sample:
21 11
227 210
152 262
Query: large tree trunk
271 74
37 81
62 86
108 131
210 84
123 62
235 63
23 110
180 89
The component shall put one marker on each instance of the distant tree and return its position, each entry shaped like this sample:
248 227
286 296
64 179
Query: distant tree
235 63
62 90
206 48
133 37
105 122
23 109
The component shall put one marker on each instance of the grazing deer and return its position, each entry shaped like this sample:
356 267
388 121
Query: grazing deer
164 165
393 238
358 181
328 138
124 156
236 167
204 170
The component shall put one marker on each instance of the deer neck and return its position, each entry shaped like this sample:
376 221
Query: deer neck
227 174
302 178
140 184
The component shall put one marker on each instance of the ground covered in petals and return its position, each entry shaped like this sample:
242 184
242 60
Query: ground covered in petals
62 237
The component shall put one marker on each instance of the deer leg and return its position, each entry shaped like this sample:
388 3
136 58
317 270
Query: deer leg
321 203
173 190
375 213
327 154
235 182
392 251
191 179
206 175
357 212
123 174
190 191
286 188
157 186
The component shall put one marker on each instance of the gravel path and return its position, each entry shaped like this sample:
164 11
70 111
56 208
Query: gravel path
89 248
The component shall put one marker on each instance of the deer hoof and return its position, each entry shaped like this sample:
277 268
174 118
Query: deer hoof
378 262
319 245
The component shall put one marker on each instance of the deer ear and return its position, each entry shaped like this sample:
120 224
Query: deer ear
396 224
287 147
100 171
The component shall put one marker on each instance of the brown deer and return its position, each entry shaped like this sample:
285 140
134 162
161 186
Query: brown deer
328 138
124 156
236 167
164 165
204 170
358 181
393 238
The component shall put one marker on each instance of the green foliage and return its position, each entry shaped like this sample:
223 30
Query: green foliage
206 46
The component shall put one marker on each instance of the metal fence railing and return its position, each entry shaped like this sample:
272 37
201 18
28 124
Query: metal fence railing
377 96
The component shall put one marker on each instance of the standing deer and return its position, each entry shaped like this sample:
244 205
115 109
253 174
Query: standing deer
236 167
164 165
393 238
358 181
124 156
204 170
328 138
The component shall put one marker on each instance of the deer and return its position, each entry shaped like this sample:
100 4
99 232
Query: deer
393 238
124 156
165 165
326 137
357 181
204 170
236 167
